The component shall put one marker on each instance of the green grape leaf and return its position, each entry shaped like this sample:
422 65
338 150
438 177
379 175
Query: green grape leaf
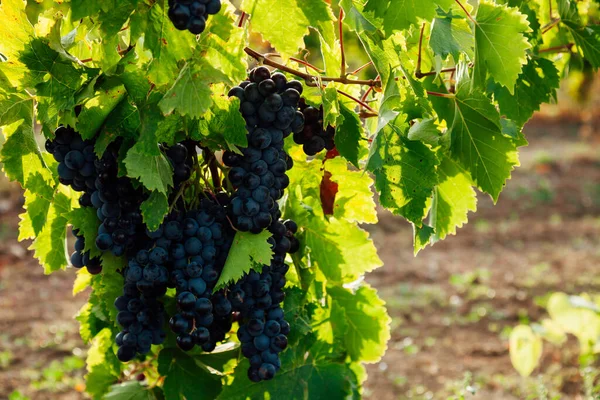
405 173
287 37
84 8
348 134
167 45
426 131
331 106
223 125
151 167
453 198
89 323
341 249
451 35
52 75
184 378
227 50
115 15
421 237
390 103
400 15
109 286
16 31
82 281
500 45
101 352
123 121
96 110
587 39
477 142
36 210
99 380
190 94
246 252
297 314
414 100
537 84
154 209
131 391
86 221
308 371
49 246
354 200
20 155
368 324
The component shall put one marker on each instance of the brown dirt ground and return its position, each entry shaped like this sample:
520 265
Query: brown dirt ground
542 236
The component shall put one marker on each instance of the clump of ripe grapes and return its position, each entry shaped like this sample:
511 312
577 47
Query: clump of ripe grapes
314 138
192 14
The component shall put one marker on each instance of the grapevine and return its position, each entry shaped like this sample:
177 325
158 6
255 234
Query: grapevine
208 172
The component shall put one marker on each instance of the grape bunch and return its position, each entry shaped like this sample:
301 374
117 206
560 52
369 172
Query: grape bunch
269 105
192 14
81 258
199 243
75 158
141 314
314 138
181 160
258 296
117 203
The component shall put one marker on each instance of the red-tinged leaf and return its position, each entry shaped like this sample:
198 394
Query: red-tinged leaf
331 154
329 190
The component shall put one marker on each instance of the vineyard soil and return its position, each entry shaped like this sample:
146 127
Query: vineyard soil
542 236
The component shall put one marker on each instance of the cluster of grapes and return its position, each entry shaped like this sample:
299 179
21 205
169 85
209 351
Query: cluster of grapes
258 296
81 258
75 158
117 205
77 169
192 14
199 243
314 138
182 162
141 314
269 105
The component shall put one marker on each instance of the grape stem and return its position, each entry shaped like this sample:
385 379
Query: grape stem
211 160
310 79
550 25
178 195
565 48
437 94
343 66
299 61
357 70
418 69
361 103
466 12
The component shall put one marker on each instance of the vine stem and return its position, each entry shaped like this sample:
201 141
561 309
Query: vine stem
343 68
211 160
361 103
418 69
357 70
437 94
308 77
177 196
299 61
466 11
550 25
558 49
